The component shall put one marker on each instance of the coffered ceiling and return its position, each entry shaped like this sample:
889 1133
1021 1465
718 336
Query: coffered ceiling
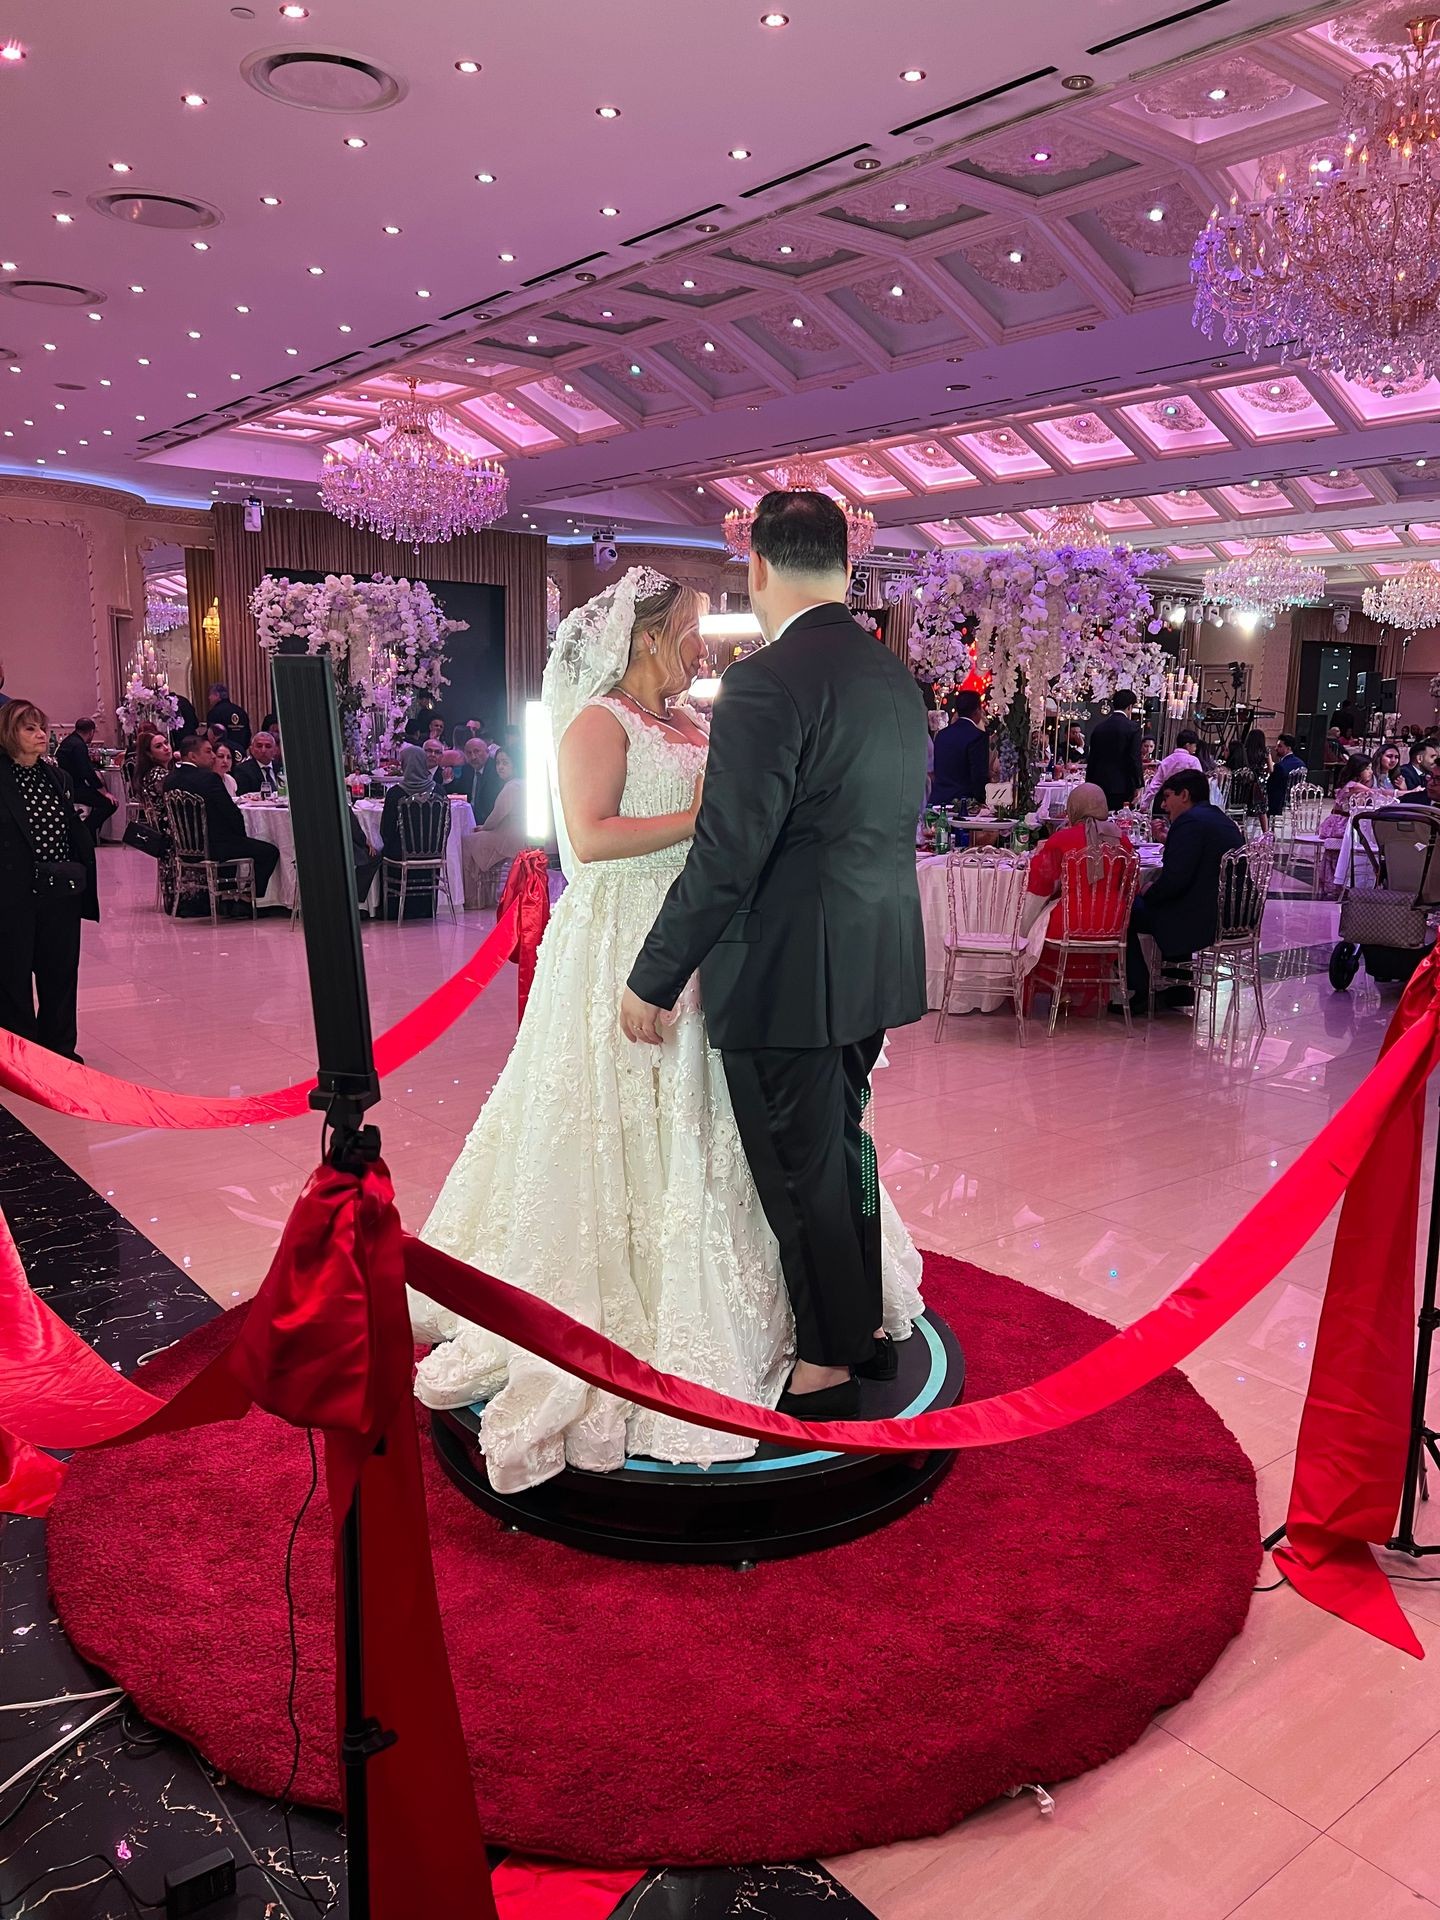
968 291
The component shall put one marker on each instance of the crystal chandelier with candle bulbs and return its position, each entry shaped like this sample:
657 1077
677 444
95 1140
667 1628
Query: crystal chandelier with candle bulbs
1264 581
1409 600
1344 264
803 474
413 486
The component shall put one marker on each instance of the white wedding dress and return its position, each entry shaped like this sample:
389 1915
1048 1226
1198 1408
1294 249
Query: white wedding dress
609 1179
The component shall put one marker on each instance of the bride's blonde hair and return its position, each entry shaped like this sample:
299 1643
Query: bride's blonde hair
668 615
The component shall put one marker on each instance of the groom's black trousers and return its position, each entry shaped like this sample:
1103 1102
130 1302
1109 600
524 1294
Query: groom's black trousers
799 1113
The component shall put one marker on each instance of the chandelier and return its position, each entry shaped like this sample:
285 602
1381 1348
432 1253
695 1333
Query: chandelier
1345 264
1409 600
803 475
412 486
1073 526
164 616
1264 581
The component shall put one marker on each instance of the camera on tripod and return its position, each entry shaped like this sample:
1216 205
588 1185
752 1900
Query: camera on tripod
1238 671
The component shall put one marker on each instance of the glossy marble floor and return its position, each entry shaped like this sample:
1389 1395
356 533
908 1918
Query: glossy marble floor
1096 1166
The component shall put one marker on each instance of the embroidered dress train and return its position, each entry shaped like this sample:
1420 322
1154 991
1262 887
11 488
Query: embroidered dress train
609 1179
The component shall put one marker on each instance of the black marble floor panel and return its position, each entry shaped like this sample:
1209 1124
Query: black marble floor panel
92 1834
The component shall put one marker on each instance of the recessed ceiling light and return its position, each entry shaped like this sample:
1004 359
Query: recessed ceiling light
292 352
294 13
1171 412
706 226
345 329
422 293
7 266
92 316
107 433
709 346
774 19
607 313
59 406
391 230
1420 463
192 396
1219 93
913 74
608 113
867 164
135 289
739 153
797 321
486 179
13 52
532 339
635 366
785 249
1334 473
192 334
201 246
317 271
609 212
1254 483
120 166
1155 213
1040 155
901 206
269 199
354 140
104 383
467 66
507 256
1016 256
568 387
140 417
63 219
687 283
192 99
142 363
897 291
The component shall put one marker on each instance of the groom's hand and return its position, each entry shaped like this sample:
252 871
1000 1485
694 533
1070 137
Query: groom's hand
638 1019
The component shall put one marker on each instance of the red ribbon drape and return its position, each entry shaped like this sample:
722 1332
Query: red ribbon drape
88 1094
527 891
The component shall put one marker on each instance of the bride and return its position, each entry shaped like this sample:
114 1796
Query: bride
606 1177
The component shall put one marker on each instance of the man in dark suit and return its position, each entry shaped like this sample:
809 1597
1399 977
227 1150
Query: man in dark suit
73 754
962 756
195 773
234 719
799 905
1179 908
1288 768
1114 761
260 771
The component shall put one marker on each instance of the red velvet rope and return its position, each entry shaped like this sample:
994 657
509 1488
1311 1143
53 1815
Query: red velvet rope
88 1094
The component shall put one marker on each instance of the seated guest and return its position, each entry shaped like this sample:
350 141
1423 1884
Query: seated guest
435 751
962 756
1287 770
47 885
189 720
415 773
477 779
1179 909
1353 790
1114 759
224 766
422 894
1415 770
1385 764
366 863
437 727
1089 827
491 847
73 755
225 824
154 759
225 713
1184 757
259 772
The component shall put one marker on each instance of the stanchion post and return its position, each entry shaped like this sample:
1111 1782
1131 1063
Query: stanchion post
1423 1438
347 1085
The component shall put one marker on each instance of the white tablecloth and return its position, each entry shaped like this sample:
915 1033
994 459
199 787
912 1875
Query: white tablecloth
1053 791
113 781
979 983
268 821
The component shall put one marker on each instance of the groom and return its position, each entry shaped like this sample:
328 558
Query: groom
798 904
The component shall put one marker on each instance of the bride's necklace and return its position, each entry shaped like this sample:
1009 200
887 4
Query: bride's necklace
663 718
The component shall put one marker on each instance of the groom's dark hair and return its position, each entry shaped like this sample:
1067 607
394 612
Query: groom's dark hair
801 533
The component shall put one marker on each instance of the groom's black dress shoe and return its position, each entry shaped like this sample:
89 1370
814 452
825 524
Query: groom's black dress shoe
841 1402
883 1364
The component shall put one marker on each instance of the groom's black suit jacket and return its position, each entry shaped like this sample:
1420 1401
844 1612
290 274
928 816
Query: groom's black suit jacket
798 902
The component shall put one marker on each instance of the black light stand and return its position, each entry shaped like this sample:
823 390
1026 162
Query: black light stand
1424 1440
347 1084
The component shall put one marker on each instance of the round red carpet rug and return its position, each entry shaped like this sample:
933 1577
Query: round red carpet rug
1024 1626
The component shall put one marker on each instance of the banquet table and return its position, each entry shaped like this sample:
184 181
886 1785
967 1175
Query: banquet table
113 781
977 986
270 820
1053 792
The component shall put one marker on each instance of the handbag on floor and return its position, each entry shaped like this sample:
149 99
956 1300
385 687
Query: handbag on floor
139 833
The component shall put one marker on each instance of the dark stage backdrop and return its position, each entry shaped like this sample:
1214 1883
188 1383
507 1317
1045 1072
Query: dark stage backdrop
474 660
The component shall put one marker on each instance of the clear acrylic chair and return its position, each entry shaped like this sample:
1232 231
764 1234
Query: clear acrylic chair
193 867
1298 831
422 823
1234 954
985 893
1097 892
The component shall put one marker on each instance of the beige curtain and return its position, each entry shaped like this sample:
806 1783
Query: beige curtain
316 542
898 623
204 651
